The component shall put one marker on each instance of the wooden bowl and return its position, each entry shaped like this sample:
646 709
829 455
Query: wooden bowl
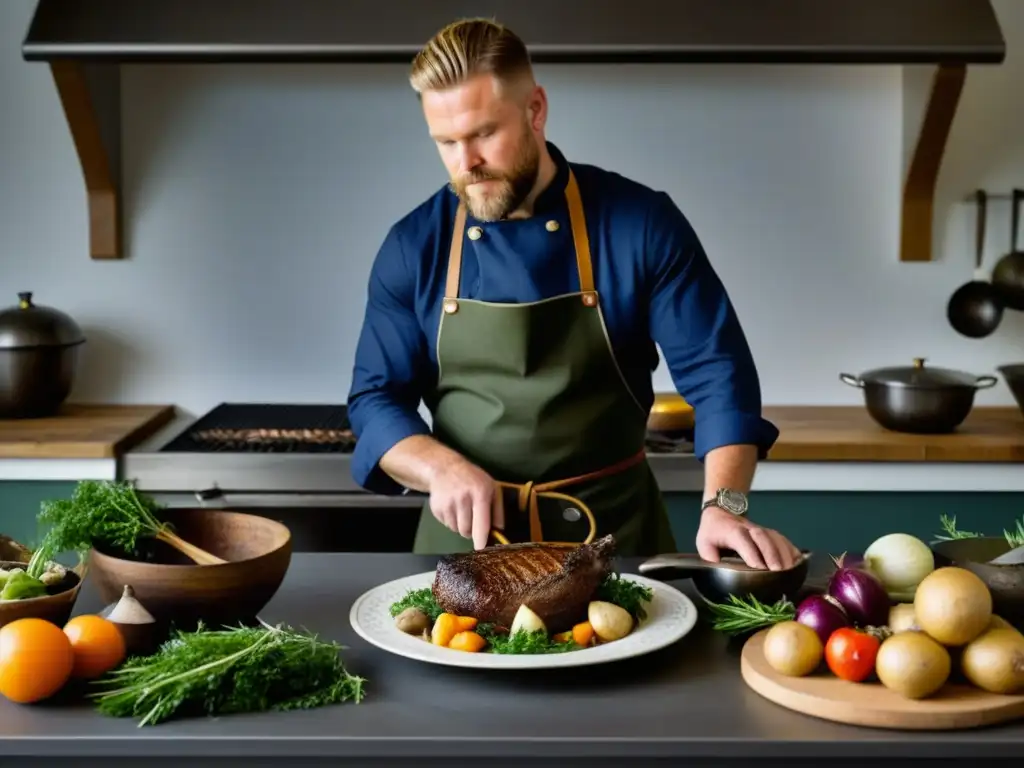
177 591
670 413
55 607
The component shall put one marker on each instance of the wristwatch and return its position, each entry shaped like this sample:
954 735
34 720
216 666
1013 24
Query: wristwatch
729 500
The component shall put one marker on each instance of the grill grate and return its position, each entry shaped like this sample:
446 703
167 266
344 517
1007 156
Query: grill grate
268 428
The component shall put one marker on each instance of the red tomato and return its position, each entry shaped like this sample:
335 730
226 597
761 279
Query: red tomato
850 654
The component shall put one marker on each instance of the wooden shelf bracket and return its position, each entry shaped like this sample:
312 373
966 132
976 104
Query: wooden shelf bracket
91 97
918 209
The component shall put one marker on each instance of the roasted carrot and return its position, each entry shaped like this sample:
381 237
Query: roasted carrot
583 634
467 641
465 623
445 628
563 637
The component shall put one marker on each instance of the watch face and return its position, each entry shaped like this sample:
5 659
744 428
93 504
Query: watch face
734 501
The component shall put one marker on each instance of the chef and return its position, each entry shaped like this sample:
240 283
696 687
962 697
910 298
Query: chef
522 304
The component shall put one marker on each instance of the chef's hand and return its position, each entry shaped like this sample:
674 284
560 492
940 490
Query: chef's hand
461 498
759 547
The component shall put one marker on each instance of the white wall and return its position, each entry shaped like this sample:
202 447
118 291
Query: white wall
256 197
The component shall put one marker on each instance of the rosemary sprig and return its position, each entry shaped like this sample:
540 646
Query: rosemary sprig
234 670
738 615
951 533
1014 538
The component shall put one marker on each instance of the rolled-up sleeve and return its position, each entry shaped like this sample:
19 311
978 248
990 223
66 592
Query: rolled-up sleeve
390 365
694 323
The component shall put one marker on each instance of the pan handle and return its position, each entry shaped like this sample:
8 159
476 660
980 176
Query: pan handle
984 382
853 381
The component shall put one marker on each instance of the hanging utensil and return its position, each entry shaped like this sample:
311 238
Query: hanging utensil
1008 275
975 309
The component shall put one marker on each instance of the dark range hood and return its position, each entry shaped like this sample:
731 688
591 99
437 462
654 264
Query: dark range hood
85 43
566 31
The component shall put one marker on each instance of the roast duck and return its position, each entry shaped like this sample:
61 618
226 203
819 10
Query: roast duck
555 582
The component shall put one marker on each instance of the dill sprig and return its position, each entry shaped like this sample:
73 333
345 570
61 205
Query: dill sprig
738 615
229 671
98 512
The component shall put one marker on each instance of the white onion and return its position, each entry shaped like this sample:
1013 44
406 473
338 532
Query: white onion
900 561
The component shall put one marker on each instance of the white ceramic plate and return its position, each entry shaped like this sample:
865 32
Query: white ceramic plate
670 616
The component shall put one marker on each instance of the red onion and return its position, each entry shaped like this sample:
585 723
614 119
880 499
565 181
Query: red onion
860 593
822 613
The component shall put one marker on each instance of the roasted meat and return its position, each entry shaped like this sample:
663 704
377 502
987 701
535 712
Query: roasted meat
556 583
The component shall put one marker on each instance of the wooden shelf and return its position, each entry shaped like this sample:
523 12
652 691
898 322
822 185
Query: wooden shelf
917 216
82 432
847 433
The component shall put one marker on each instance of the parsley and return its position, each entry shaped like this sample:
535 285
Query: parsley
626 594
422 599
234 670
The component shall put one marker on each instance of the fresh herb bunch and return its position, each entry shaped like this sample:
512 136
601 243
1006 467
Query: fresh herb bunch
1014 538
738 616
234 670
98 512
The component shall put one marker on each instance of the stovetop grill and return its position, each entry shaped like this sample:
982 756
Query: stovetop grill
268 428
300 428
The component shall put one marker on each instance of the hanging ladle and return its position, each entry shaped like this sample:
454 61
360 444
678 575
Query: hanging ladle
1008 274
975 309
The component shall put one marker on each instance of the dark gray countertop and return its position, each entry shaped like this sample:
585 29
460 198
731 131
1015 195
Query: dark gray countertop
685 702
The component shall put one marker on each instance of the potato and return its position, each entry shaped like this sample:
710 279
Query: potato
610 621
412 621
527 621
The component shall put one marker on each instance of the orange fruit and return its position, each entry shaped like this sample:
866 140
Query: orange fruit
36 660
97 644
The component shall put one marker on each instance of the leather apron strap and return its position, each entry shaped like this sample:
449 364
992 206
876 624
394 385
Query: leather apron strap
530 493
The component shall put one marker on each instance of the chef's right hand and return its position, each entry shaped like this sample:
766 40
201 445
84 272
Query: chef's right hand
461 498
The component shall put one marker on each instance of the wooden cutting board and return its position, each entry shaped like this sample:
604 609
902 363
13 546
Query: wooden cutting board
871 704
82 431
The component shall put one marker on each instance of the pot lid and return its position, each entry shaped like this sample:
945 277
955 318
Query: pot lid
917 375
29 325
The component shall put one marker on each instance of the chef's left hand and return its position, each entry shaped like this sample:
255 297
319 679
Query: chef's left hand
759 547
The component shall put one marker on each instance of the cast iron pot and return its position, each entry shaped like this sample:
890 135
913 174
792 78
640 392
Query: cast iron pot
918 399
38 359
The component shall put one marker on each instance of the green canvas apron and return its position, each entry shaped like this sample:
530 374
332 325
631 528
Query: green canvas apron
533 395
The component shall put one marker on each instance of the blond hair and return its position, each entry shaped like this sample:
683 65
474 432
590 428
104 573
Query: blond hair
467 48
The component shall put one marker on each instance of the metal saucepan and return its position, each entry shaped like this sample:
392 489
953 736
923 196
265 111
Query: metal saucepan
976 308
1008 274
917 399
38 359
717 581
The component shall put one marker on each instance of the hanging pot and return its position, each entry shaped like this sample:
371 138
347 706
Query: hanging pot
917 399
38 359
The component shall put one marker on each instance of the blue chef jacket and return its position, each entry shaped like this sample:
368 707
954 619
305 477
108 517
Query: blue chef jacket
653 277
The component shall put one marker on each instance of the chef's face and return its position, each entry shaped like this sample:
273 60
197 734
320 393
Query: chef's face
489 139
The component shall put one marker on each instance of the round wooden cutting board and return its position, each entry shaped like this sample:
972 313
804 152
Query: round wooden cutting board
824 695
